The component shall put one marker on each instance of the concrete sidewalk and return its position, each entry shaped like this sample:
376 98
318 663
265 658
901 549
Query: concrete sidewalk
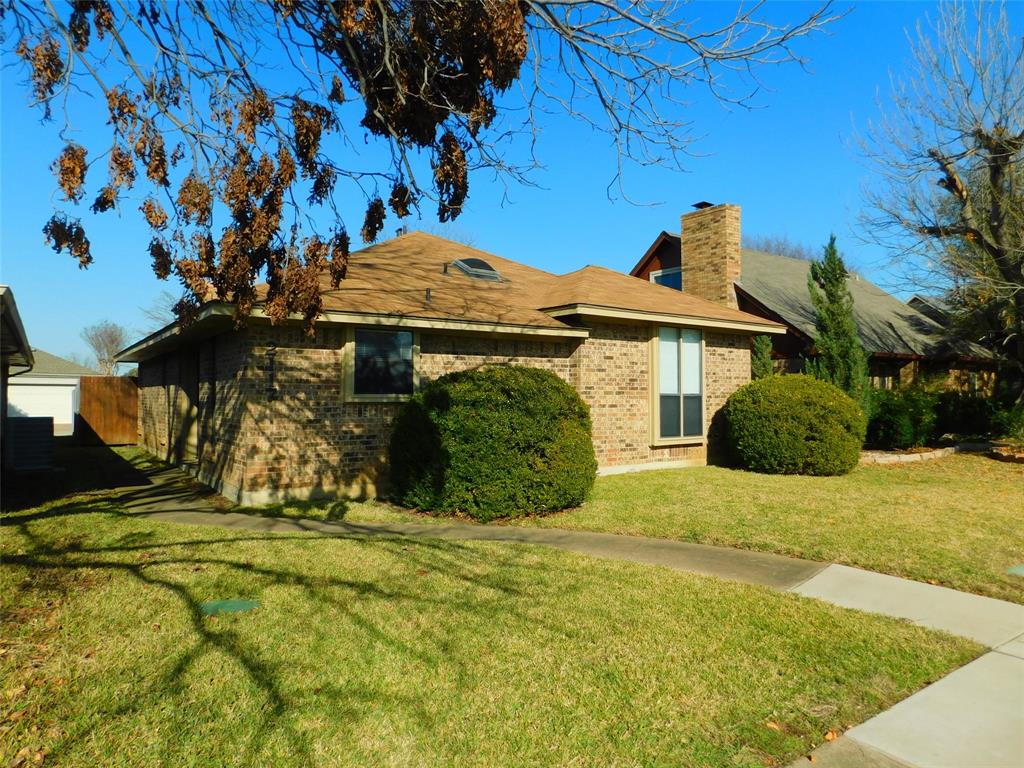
972 718
774 571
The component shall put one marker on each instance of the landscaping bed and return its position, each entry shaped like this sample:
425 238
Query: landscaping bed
402 652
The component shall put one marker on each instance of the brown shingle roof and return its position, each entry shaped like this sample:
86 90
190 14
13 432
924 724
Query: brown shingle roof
392 278
598 286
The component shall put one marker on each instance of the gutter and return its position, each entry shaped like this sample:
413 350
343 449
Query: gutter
692 321
10 313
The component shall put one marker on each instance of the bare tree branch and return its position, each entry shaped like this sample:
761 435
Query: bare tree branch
238 118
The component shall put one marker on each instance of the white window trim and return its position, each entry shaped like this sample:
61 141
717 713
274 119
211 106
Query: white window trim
669 271
348 368
656 440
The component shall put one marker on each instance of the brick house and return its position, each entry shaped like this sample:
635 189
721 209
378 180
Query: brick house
903 341
266 412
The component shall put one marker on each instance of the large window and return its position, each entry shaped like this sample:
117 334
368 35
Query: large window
680 384
670 278
383 363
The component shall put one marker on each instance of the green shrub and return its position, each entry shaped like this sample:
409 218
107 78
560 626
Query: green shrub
902 418
963 414
1009 422
889 426
491 443
793 424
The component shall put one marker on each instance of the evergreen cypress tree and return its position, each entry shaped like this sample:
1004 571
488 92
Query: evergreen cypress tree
761 357
841 359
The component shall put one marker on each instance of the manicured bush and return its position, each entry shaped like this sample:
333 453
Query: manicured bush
793 424
491 443
902 418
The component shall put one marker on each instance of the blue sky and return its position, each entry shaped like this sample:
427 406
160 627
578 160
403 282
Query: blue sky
790 163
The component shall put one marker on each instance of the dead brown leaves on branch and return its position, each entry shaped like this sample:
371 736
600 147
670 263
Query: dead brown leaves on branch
64 234
70 168
46 65
256 99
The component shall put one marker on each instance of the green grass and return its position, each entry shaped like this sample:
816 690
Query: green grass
957 521
413 653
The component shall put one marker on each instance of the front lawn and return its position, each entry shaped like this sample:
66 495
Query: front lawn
413 653
957 521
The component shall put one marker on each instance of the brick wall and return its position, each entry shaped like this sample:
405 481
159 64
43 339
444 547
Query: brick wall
299 438
221 408
710 244
444 354
614 379
224 411
726 369
152 407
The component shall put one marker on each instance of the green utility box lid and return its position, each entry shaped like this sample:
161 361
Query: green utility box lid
213 607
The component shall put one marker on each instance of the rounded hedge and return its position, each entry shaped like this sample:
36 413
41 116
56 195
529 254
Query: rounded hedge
793 424
491 443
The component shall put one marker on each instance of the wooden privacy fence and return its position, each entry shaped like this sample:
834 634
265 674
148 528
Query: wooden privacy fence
108 410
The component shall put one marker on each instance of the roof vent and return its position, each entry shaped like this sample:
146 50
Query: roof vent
478 268
702 205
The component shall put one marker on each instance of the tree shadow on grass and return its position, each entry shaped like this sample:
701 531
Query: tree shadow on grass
77 470
145 557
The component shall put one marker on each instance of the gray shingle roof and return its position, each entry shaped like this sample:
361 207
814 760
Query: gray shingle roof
51 365
885 323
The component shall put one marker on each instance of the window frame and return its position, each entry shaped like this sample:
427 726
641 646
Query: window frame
654 273
348 366
657 441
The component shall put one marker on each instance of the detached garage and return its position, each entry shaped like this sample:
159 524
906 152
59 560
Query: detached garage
51 389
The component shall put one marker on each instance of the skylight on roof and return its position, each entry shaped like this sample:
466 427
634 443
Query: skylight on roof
478 268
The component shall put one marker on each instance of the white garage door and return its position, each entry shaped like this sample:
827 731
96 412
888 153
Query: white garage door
44 398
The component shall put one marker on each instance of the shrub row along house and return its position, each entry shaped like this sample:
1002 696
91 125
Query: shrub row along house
267 412
904 342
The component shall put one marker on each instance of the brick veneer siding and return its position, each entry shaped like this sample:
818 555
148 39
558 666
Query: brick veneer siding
301 439
222 404
710 245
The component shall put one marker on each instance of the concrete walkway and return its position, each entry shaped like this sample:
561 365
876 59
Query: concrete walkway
972 718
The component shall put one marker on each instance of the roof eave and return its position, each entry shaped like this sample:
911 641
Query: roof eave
166 336
692 321
22 355
796 330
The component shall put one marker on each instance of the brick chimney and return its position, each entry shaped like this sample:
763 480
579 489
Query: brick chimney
710 256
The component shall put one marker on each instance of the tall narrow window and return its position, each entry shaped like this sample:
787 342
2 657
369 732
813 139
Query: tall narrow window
383 363
693 391
668 375
680 383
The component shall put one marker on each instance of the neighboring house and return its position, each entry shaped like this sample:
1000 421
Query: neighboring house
267 412
51 389
15 358
903 342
